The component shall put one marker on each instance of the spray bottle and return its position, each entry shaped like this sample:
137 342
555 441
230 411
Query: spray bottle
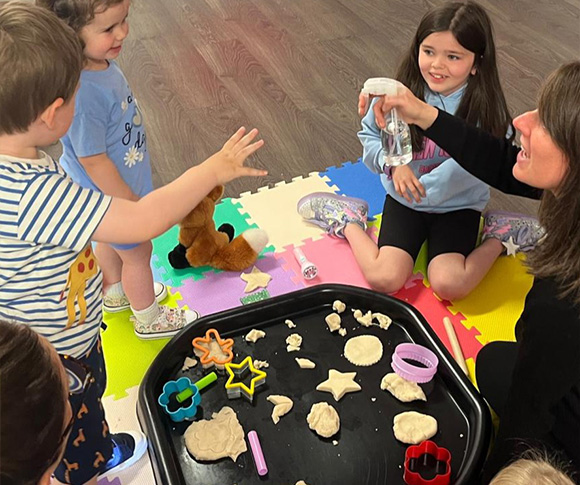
396 136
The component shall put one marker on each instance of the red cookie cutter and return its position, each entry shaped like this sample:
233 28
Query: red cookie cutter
427 448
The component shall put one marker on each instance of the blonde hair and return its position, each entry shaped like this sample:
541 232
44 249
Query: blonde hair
537 470
40 61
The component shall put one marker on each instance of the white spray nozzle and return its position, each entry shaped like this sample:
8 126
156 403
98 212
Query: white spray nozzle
309 270
379 86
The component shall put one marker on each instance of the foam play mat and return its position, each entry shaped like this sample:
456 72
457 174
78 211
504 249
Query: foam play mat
489 313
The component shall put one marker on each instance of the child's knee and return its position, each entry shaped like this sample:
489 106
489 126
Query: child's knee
385 282
447 286
140 254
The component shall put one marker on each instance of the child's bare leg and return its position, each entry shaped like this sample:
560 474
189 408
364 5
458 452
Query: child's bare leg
136 275
110 264
453 276
386 269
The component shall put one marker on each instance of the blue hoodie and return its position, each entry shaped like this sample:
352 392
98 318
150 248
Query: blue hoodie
448 186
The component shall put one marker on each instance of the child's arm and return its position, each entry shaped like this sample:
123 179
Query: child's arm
133 222
104 174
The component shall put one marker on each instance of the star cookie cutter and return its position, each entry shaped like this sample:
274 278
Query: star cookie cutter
238 389
213 350
442 466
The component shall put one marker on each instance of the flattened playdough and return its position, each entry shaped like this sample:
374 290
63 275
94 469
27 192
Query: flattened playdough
402 389
363 350
305 363
255 279
215 438
254 335
323 419
282 406
339 383
413 427
333 321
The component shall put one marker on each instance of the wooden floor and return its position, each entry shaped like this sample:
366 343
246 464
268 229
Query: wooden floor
293 69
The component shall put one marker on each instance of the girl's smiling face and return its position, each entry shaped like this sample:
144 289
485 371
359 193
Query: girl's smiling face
444 63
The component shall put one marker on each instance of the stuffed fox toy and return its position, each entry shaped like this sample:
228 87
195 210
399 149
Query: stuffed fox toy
201 244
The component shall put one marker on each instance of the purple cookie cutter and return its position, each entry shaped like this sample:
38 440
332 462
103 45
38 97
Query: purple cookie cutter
416 353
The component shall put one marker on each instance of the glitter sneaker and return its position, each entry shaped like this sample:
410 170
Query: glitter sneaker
333 212
518 233
116 304
169 322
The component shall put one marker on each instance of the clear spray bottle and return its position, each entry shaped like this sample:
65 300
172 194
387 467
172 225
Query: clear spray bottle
396 137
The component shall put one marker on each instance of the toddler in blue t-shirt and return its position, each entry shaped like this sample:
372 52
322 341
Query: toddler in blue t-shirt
105 149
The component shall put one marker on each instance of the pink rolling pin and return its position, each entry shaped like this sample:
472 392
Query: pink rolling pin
256 448
309 270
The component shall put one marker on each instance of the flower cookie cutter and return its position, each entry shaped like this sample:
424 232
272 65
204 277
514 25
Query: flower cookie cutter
238 389
426 449
213 350
416 353
184 389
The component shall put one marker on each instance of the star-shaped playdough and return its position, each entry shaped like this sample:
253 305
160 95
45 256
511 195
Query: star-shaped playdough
255 279
511 246
339 383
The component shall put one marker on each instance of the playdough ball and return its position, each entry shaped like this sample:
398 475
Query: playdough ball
402 389
323 419
413 427
363 350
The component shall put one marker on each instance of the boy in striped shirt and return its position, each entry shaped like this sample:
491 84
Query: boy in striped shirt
49 277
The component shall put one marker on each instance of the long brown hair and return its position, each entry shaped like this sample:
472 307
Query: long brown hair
558 256
32 405
483 103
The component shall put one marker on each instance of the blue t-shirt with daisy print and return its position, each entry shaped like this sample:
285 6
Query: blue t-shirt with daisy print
108 120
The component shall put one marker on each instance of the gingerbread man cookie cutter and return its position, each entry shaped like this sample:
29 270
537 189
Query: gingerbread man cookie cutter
212 350
238 389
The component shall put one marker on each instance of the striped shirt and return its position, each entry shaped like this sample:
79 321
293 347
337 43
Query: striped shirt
48 276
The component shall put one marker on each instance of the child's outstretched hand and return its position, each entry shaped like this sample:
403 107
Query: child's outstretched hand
410 108
406 183
228 163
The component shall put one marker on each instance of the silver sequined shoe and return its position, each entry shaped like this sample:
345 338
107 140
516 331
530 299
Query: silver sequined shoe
116 304
333 212
517 232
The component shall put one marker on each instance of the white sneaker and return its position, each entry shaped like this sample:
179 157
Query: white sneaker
169 322
116 304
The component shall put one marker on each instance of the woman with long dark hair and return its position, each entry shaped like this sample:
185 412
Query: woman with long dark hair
533 383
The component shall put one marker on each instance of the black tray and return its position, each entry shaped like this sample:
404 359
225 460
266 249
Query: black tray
367 452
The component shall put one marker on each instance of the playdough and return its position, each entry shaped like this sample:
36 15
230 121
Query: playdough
290 323
365 320
305 363
323 419
218 437
253 335
256 279
342 332
188 363
384 320
363 350
338 306
413 427
402 389
282 406
261 364
294 342
339 383
333 321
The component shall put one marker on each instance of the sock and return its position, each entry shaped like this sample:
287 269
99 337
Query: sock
115 290
148 315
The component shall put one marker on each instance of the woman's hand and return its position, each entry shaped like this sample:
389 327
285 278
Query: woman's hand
410 108
406 183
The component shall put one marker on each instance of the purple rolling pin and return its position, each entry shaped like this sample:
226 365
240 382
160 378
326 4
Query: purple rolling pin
261 466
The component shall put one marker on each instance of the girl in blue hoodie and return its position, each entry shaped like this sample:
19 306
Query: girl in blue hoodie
451 65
